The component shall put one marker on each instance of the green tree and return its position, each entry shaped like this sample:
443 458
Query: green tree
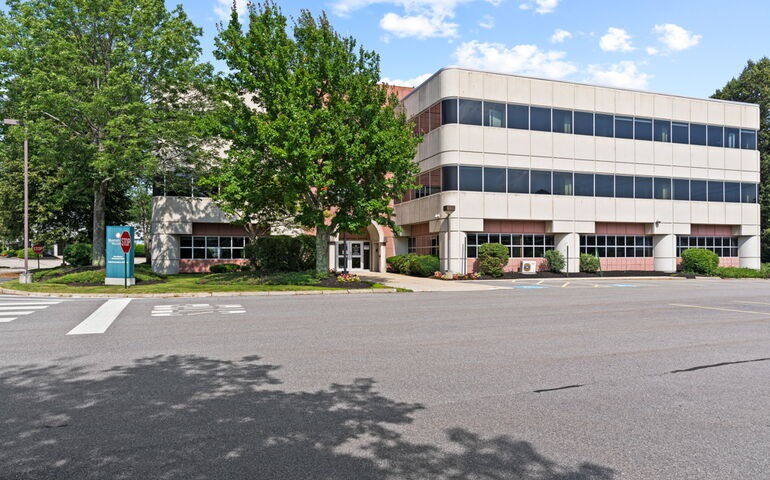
317 139
753 86
108 88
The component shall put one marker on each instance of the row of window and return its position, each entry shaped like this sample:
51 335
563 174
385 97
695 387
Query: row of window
628 246
209 247
722 246
546 182
519 246
432 249
525 117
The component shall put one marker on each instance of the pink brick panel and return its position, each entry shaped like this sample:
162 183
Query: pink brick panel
711 230
513 226
202 266
627 264
608 228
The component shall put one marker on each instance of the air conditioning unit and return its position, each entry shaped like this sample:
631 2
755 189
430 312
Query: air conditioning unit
529 266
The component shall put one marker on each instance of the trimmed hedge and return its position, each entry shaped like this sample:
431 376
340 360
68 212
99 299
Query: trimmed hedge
282 253
740 272
140 250
555 260
224 268
589 263
78 254
699 261
493 257
414 265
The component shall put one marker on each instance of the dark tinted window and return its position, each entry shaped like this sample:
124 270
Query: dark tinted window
449 177
603 125
470 112
494 179
562 183
662 131
663 188
540 119
697 134
732 137
749 193
518 117
715 136
698 190
470 179
584 184
716 192
541 182
605 185
494 114
643 129
680 132
681 189
624 127
584 123
562 121
518 181
732 192
449 111
643 187
748 139
624 186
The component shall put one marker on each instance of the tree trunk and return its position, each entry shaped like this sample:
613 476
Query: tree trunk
98 250
322 249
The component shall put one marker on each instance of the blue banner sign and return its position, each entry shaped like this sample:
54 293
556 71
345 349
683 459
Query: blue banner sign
120 266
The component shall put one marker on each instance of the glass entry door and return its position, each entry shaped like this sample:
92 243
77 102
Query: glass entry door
353 255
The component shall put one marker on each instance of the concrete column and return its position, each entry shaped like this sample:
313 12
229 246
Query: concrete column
333 255
571 240
749 252
664 251
452 249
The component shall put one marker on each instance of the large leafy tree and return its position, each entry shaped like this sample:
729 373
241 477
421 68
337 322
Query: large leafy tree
312 134
108 88
753 86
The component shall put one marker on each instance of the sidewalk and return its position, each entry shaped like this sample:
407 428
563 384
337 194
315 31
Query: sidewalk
421 284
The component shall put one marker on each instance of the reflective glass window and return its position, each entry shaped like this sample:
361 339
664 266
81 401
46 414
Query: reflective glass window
732 137
697 134
518 181
470 112
663 188
584 123
562 121
624 127
748 139
603 125
540 119
732 192
624 186
449 177
681 189
562 183
642 187
715 134
698 190
540 182
518 117
662 131
643 129
494 179
449 111
494 114
604 185
749 192
470 179
680 132
716 192
584 184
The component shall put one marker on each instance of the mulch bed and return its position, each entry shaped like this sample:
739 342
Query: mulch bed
331 281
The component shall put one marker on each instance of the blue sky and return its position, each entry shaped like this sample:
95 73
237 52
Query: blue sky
687 47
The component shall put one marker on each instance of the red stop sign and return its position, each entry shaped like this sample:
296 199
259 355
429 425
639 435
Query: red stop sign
125 241
37 249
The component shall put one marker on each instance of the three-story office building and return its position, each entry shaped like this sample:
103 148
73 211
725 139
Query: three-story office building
630 176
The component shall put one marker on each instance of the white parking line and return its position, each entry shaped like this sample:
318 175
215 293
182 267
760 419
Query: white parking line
102 318
751 303
720 309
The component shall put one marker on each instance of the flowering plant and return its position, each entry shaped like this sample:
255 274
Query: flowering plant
347 278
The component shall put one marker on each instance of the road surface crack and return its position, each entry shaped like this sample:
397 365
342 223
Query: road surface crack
557 388
722 364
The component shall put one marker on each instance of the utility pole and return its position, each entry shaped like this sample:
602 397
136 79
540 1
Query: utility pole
25 277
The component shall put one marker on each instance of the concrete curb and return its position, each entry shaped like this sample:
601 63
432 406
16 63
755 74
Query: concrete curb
276 293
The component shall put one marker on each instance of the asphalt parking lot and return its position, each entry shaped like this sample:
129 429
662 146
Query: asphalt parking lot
623 380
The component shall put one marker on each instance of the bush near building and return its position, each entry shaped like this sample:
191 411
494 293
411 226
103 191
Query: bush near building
589 263
699 261
282 253
224 268
493 257
555 261
78 254
415 265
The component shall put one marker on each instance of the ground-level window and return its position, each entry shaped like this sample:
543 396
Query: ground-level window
519 245
423 245
722 246
616 245
202 247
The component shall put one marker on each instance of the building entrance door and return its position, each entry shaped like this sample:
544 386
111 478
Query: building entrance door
353 255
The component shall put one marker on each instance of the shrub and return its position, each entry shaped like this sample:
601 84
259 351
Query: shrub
30 253
9 253
589 263
78 254
739 272
282 253
224 268
555 260
140 250
492 259
413 264
699 261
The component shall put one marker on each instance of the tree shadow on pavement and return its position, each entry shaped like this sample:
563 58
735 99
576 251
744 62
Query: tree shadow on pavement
189 417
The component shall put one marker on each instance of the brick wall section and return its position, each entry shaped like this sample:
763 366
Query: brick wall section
513 226
218 229
629 264
607 228
711 230
202 266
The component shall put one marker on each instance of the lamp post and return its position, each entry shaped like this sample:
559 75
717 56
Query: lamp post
449 209
24 277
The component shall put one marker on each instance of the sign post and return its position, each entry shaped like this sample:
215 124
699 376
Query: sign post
120 256
38 249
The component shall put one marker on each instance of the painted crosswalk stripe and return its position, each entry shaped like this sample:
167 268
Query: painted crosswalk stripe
102 318
25 306
27 303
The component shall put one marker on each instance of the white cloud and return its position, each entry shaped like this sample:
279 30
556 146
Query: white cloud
623 74
652 51
616 40
560 35
540 6
417 26
525 6
487 22
411 82
675 37
222 8
522 59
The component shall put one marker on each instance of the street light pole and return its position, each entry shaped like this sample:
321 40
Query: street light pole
25 277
